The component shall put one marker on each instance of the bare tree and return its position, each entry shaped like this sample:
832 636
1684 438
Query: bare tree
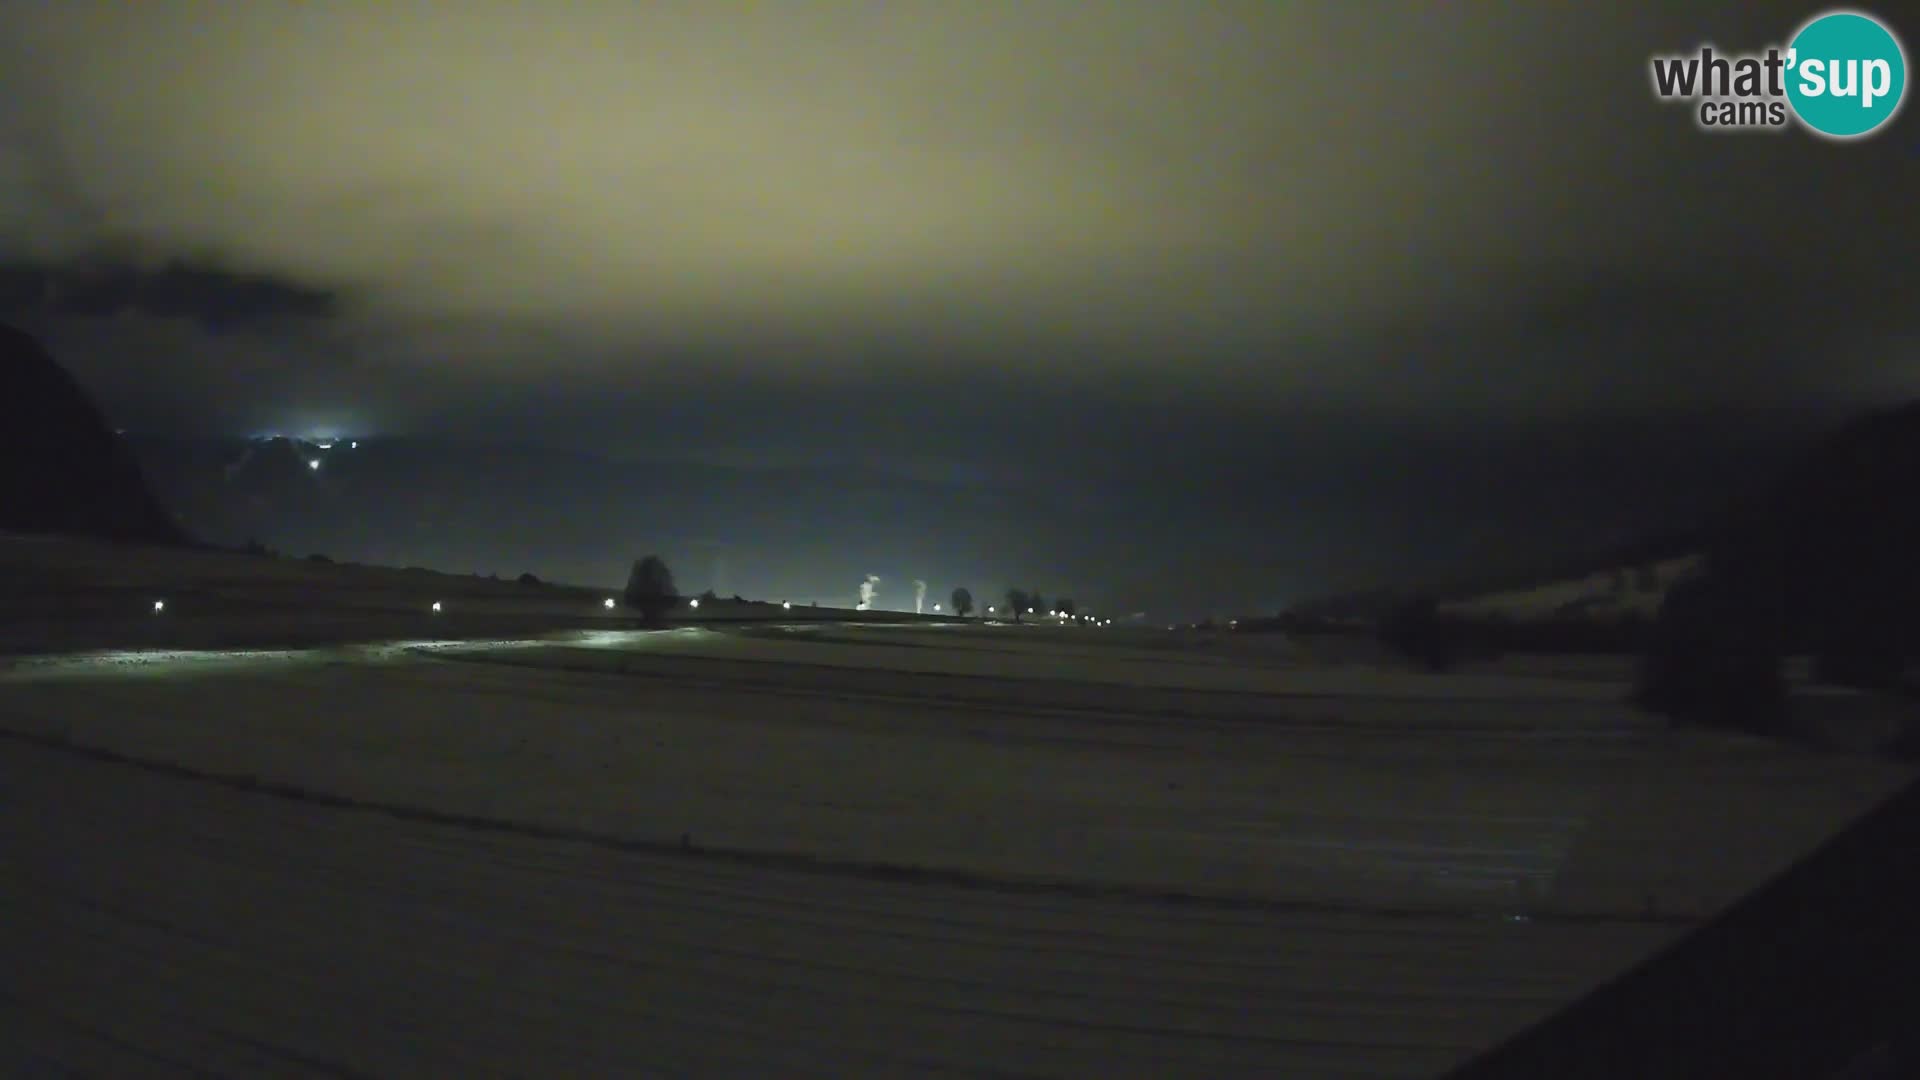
1018 601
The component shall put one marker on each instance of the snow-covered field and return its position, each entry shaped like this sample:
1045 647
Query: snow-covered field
846 849
1625 590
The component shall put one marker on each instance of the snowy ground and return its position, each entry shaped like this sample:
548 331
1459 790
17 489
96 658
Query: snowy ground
845 849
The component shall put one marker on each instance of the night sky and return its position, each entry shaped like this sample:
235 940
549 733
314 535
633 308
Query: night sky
1135 249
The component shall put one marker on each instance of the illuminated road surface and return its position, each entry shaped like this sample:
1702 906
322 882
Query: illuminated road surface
437 861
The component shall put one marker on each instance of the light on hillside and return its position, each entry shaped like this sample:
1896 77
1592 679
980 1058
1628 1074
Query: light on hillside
695 602
936 607
159 606
609 603
436 605
786 605
314 464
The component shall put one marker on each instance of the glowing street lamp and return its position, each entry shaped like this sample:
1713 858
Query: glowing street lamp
436 605
314 465
694 603
786 605
159 606
608 603
936 607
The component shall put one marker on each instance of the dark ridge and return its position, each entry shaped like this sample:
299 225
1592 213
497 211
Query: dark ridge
63 470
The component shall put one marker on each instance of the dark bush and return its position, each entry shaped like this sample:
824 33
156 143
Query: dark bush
316 557
1416 631
1714 659
1646 579
528 579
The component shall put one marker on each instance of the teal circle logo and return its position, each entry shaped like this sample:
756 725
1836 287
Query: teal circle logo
1846 74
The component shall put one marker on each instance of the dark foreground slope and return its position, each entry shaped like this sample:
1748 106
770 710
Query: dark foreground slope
62 468
1805 978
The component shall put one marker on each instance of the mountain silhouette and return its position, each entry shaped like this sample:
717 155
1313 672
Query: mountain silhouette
62 468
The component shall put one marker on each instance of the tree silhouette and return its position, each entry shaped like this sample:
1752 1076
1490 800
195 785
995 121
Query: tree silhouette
1018 601
1066 606
650 589
1646 579
962 602
1417 630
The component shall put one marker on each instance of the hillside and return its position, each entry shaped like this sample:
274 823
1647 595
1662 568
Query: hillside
1609 592
62 468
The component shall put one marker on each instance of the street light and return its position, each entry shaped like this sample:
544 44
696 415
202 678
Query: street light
159 606
609 603
436 605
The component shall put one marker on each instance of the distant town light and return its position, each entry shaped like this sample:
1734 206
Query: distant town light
314 464
353 446
936 607
1029 611
159 606
989 609
609 603
786 605
695 602
436 605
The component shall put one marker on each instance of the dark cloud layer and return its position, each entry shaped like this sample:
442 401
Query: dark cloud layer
213 299
967 236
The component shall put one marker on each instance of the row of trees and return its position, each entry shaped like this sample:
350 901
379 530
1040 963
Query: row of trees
1030 602
650 591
